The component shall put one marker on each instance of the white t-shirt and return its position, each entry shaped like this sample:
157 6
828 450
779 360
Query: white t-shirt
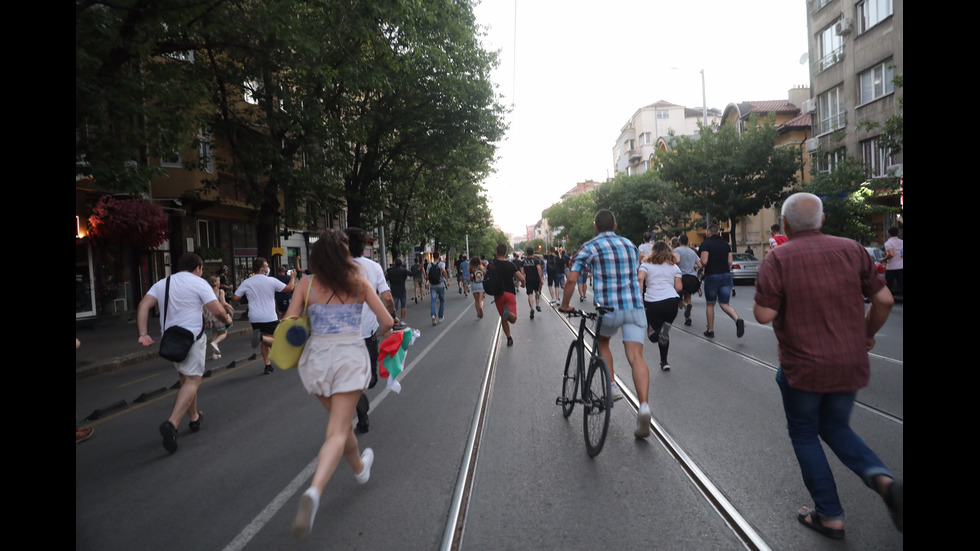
188 294
644 250
261 291
660 281
375 275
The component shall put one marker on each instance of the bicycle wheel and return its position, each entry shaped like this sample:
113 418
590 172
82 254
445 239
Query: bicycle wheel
569 382
597 406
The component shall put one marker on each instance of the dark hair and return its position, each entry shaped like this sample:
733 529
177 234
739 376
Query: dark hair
355 241
258 263
330 262
605 220
775 227
188 262
398 262
501 249
713 228
893 231
647 236
683 239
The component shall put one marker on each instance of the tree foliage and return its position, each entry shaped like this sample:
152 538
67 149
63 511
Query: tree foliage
574 216
642 203
730 174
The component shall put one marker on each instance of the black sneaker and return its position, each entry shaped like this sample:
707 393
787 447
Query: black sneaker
739 327
169 433
687 322
268 370
538 308
665 366
709 334
196 425
510 341
687 311
532 314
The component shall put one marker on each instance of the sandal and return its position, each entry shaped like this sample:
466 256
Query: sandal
196 425
815 524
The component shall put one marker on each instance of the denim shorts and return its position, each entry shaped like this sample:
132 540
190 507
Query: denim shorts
399 300
633 321
718 288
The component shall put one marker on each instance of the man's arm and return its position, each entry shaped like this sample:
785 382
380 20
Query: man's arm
763 315
704 258
570 283
881 306
142 316
292 283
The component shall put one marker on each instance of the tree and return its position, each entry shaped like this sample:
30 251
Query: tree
642 203
575 216
846 196
729 174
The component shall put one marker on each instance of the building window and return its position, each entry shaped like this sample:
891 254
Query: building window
629 145
828 162
662 114
872 12
876 160
877 82
253 89
169 150
207 235
644 166
830 111
646 138
831 46
204 149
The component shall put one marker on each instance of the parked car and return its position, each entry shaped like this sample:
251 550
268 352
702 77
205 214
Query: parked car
745 267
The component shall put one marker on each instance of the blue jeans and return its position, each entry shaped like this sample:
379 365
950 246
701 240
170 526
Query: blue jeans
440 292
812 416
718 288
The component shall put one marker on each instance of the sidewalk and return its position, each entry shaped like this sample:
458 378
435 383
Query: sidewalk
109 343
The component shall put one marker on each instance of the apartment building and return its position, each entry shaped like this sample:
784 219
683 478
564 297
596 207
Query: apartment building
855 51
637 142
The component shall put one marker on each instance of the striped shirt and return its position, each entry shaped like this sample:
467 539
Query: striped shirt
614 263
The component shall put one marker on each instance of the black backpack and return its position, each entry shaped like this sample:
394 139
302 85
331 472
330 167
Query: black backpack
435 274
491 281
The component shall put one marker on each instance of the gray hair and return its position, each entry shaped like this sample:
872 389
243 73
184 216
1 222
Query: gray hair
803 212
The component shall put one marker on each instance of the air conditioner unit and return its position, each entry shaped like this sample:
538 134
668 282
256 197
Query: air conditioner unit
843 26
812 145
895 170
809 106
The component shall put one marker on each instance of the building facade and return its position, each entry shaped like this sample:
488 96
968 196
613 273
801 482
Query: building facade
636 145
855 52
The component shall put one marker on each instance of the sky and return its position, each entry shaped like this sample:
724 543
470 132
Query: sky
573 72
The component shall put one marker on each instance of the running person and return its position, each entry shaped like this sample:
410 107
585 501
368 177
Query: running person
662 276
335 365
418 279
477 272
689 263
464 270
531 269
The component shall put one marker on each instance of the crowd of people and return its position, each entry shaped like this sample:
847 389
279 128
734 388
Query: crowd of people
352 303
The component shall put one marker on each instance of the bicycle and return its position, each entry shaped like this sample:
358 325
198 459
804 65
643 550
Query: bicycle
594 395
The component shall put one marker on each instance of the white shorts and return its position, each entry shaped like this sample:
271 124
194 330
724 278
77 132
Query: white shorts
193 364
333 363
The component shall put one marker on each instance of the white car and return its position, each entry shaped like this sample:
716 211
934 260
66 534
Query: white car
745 267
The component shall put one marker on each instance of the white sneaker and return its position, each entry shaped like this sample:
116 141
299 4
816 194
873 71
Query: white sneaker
367 458
308 504
643 421
614 392
433 320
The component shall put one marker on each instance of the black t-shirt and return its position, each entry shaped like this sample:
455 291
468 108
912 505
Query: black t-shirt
531 268
396 277
717 249
416 271
507 271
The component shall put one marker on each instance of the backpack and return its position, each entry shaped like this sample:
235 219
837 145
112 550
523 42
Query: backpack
491 281
435 274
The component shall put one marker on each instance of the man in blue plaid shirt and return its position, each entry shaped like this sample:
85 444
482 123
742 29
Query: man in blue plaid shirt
614 263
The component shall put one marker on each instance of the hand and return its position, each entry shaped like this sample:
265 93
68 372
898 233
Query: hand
870 343
145 340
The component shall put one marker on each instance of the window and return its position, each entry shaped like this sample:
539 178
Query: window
204 149
876 159
644 166
661 114
629 145
829 161
831 46
252 91
169 150
877 82
207 235
872 12
830 111
646 138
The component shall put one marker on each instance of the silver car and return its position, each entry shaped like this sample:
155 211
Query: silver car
745 267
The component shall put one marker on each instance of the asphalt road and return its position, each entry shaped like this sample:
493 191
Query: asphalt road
235 484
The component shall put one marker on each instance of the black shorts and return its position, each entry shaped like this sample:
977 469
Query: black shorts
533 286
266 327
691 284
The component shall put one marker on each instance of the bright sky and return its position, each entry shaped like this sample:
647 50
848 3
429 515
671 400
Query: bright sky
579 69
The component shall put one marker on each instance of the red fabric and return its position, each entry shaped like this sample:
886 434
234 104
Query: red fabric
389 347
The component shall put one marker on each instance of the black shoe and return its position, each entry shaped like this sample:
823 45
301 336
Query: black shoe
687 321
687 311
362 429
538 308
169 434
739 327
709 334
664 366
510 341
532 314
268 370
374 380
196 425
